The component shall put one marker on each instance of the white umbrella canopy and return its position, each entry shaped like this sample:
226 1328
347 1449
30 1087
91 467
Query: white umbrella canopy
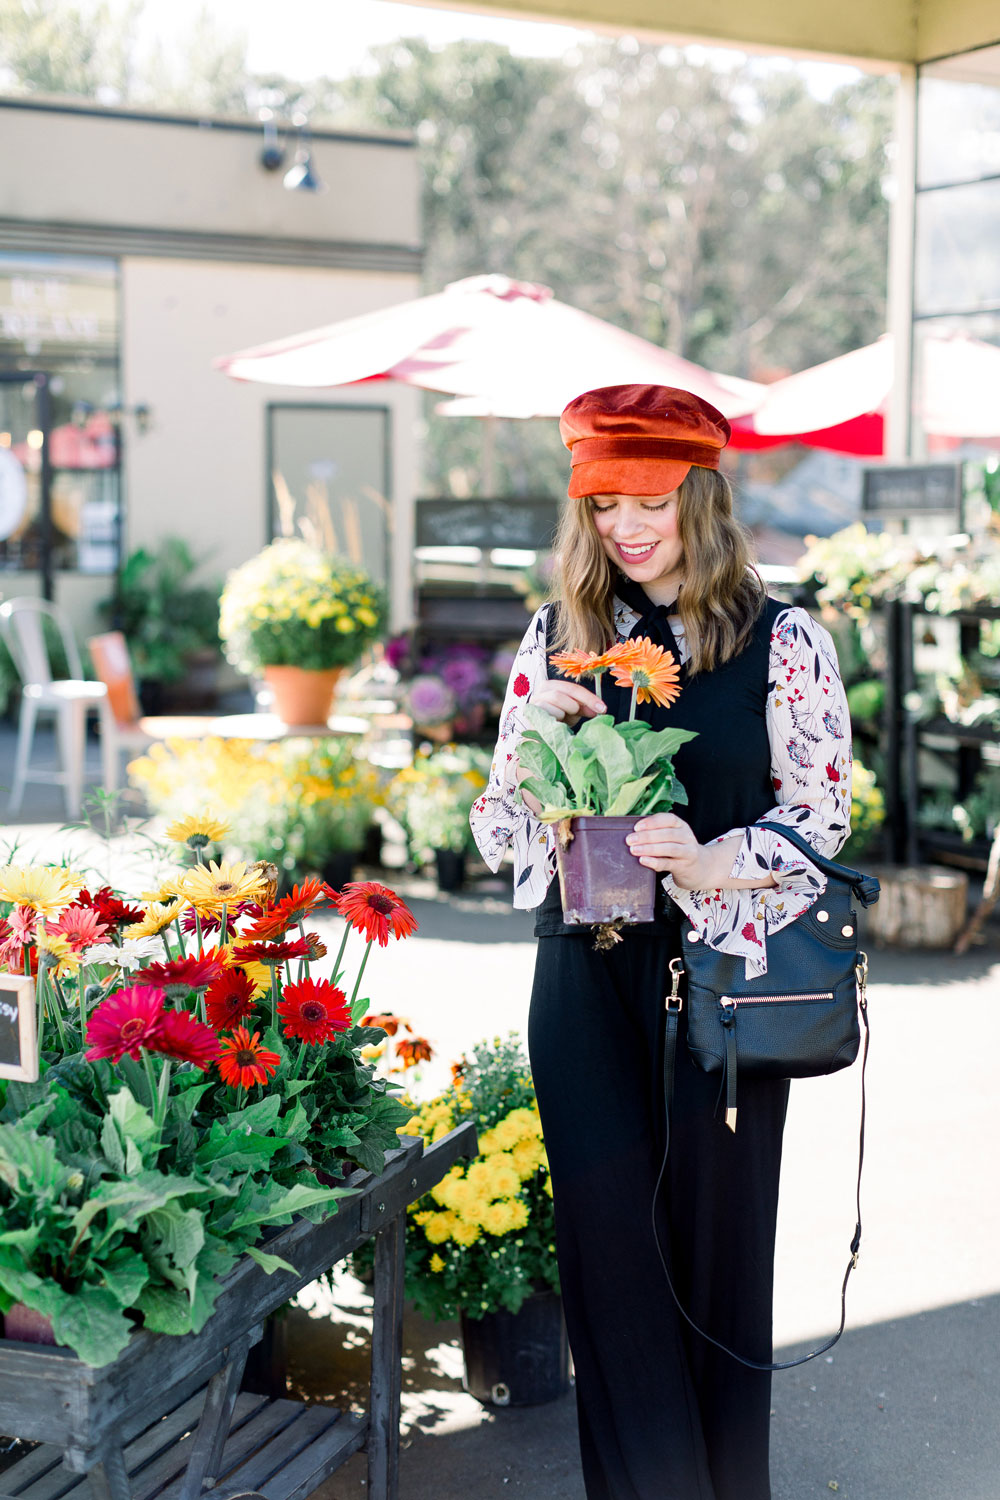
841 404
509 348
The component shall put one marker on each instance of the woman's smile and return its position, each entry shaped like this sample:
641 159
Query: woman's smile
635 552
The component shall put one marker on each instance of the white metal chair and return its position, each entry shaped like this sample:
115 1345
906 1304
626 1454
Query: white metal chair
70 700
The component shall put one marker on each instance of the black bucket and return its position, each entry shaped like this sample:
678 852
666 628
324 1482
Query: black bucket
518 1359
450 865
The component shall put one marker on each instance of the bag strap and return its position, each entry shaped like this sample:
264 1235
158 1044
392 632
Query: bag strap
674 1004
865 887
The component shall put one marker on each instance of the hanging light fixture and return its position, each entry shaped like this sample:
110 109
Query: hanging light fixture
300 176
272 153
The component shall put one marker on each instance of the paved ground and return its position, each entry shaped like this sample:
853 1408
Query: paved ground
904 1408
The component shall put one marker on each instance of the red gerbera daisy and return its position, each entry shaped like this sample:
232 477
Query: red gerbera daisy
182 1037
111 910
290 910
209 922
313 1011
384 1020
375 910
230 999
244 1061
413 1049
195 972
271 953
125 1022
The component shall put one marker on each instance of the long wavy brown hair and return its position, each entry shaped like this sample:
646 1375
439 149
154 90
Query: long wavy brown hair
722 594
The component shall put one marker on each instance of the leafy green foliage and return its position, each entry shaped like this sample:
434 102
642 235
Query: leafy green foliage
602 767
109 1219
164 616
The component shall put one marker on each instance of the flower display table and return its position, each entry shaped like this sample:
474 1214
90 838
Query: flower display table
166 1420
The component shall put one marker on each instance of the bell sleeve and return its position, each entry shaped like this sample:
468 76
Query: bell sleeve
499 819
809 731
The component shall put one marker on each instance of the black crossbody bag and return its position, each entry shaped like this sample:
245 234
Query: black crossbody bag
799 1020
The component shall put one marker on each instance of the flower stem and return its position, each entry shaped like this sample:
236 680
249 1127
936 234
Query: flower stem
163 1095
274 996
180 936
225 925
361 970
147 1063
631 711
298 1061
197 928
81 1000
340 951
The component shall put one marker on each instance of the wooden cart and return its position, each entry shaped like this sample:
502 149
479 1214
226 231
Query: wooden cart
167 1420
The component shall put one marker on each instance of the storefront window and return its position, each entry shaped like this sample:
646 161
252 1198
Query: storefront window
956 351
329 478
59 396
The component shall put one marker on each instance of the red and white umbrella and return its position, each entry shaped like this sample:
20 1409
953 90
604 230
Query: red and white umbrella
507 348
841 404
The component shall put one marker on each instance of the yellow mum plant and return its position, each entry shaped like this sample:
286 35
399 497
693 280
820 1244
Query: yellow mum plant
293 605
484 1237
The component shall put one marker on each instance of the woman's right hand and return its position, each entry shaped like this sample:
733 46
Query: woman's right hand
567 701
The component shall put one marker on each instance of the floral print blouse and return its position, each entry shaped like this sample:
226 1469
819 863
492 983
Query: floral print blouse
808 728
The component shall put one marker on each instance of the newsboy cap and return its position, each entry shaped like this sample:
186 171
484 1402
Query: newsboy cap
639 439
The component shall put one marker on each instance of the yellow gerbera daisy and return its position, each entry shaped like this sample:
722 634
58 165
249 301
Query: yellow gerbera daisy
166 892
197 831
62 959
158 915
45 888
212 886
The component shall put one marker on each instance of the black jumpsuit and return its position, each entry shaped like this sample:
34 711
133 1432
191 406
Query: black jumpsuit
662 1414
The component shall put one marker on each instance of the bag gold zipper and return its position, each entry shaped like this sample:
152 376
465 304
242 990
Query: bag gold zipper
729 1000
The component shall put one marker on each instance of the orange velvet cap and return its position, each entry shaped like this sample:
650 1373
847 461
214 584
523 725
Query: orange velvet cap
639 439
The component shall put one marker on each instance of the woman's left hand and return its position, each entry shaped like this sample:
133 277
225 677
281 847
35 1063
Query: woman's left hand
665 842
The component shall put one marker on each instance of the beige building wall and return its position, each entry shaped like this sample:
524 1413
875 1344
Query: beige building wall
200 469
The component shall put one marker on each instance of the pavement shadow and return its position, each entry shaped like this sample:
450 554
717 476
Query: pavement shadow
900 1410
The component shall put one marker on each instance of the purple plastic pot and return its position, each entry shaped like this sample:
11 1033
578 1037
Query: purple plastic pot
600 880
27 1326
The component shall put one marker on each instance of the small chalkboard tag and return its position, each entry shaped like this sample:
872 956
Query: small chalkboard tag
18 1052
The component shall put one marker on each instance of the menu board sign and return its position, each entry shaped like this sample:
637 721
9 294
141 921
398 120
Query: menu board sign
18 1051
913 490
527 525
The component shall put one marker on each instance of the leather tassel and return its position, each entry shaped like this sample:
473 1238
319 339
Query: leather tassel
729 1026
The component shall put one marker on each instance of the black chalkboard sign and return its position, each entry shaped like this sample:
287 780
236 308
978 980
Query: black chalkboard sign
913 490
526 524
18 1052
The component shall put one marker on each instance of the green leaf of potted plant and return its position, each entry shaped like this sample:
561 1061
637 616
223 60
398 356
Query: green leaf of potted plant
595 783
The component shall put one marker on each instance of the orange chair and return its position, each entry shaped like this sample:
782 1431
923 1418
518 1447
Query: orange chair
133 730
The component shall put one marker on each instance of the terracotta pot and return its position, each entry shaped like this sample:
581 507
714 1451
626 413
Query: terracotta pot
27 1326
518 1359
302 697
600 880
441 734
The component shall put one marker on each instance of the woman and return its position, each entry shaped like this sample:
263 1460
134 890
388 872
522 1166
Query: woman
648 546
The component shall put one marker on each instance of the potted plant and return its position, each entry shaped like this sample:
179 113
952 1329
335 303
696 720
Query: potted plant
431 799
299 616
190 1097
170 624
430 703
595 783
481 1243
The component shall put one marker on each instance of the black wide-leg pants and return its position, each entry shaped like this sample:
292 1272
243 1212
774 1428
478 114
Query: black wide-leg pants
662 1414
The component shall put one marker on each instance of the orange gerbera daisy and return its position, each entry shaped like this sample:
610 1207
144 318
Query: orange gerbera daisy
413 1049
376 911
650 671
244 1061
578 663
